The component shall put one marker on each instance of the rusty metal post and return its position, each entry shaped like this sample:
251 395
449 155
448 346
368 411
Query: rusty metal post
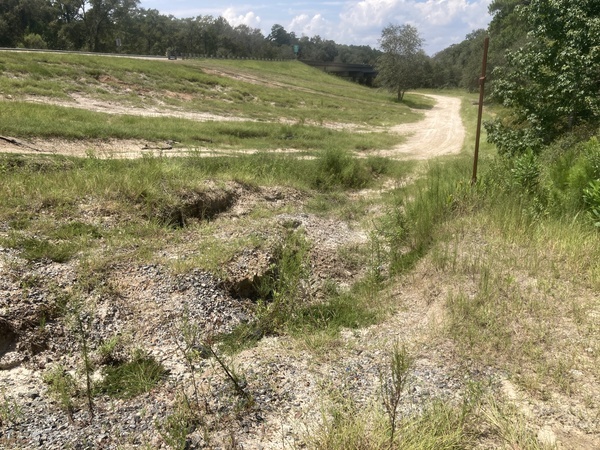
480 113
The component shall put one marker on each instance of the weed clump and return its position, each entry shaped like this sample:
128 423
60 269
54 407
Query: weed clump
558 182
176 427
131 378
284 290
287 305
63 387
393 385
336 168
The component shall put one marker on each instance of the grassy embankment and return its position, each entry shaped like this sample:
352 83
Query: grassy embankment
277 107
144 192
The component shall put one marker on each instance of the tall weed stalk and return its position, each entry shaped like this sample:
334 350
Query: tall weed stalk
393 384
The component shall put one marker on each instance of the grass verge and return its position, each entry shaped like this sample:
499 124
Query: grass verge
23 119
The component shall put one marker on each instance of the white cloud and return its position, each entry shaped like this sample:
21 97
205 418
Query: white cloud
443 12
447 22
367 13
235 19
440 22
440 12
305 25
300 21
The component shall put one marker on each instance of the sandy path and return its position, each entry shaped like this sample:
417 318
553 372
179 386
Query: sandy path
441 132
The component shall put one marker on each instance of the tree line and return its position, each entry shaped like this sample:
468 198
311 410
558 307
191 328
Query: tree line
121 26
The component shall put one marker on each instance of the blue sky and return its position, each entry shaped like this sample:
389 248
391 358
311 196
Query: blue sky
440 22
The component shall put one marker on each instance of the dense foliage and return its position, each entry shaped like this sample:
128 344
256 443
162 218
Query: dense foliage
551 84
507 30
547 79
460 64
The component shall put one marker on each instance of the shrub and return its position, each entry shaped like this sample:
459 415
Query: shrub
525 172
568 172
591 196
62 386
337 168
32 40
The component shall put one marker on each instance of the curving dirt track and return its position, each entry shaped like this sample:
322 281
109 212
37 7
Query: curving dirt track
441 132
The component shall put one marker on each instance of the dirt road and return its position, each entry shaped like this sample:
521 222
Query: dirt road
441 132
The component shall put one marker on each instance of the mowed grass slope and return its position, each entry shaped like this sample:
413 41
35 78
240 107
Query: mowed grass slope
246 104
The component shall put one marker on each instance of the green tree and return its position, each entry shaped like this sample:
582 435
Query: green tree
68 28
151 33
103 21
317 49
460 64
552 83
507 30
402 65
279 36
22 17
32 40
248 41
357 54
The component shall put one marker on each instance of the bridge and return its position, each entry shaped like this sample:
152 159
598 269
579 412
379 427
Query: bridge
361 73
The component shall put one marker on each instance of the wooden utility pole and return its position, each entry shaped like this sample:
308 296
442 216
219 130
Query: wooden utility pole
480 113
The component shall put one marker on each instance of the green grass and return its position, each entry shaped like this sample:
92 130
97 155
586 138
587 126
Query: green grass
22 119
285 305
62 386
38 249
56 183
522 277
513 308
479 419
519 252
42 199
252 89
317 325
131 378
440 425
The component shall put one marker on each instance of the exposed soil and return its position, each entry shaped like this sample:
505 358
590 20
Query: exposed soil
144 304
290 381
441 132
